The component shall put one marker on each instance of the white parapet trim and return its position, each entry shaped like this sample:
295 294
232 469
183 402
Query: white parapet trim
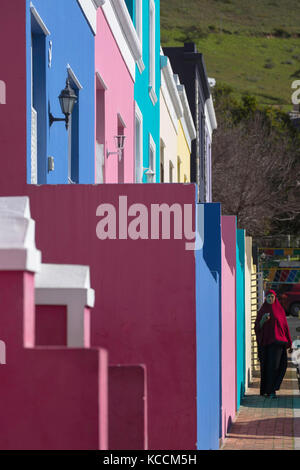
187 118
210 116
121 25
67 285
168 76
17 236
89 8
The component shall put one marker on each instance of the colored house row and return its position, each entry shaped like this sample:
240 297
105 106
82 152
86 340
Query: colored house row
129 119
170 329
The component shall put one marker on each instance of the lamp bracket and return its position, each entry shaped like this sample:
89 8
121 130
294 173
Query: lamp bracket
53 119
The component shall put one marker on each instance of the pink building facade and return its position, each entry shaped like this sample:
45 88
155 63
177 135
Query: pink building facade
115 110
229 359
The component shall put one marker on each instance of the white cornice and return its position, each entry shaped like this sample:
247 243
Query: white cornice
67 285
39 20
128 28
187 115
89 8
17 236
121 26
210 115
171 85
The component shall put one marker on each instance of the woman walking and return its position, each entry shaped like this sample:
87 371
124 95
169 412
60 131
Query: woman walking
273 338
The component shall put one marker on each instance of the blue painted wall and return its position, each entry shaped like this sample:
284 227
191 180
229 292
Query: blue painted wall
150 112
240 311
73 44
208 308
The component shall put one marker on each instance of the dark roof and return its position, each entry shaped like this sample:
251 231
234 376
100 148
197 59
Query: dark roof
189 53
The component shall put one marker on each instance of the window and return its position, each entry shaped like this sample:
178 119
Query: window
73 132
152 158
138 145
121 158
152 52
171 172
38 99
100 129
162 161
139 19
178 169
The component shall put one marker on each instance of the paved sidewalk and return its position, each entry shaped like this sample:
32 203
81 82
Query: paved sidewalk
265 423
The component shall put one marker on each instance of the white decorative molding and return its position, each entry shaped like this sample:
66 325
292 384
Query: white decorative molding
210 116
89 8
122 28
118 34
74 77
187 118
126 24
139 170
171 85
101 81
152 95
39 20
34 147
67 285
17 236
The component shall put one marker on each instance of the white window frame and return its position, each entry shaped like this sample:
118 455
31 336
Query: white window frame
152 53
139 166
152 164
179 165
139 19
171 172
72 76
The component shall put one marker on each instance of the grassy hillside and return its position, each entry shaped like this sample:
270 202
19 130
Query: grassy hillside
252 45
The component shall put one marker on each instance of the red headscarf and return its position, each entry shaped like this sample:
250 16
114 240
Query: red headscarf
275 329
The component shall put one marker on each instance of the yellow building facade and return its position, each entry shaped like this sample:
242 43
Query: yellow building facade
177 128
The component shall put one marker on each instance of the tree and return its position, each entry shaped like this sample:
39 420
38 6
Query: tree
256 174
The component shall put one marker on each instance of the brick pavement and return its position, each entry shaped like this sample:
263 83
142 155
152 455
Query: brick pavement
268 424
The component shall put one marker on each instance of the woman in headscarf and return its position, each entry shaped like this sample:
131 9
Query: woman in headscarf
273 338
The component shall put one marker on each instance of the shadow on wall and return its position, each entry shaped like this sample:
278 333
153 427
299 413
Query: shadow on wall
229 228
2 92
227 424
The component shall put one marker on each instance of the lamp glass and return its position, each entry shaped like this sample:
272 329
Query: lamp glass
67 99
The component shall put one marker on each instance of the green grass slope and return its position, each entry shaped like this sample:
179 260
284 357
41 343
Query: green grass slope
253 45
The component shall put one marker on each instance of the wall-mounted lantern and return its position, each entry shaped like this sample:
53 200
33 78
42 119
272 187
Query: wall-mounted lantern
120 144
150 174
67 100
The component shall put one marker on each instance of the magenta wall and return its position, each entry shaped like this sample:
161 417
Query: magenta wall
118 98
13 73
50 398
145 309
128 408
228 322
51 325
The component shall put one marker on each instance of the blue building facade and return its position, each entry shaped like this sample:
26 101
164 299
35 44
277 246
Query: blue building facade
60 45
209 328
146 18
